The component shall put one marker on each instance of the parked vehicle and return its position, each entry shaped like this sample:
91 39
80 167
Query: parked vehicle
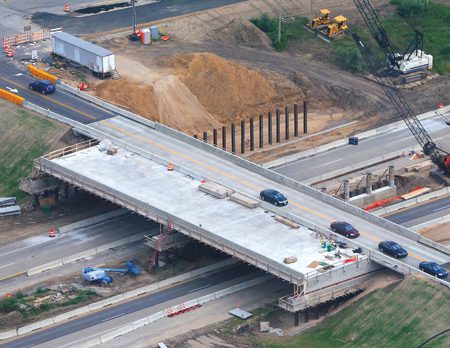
345 229
433 268
274 197
393 249
42 86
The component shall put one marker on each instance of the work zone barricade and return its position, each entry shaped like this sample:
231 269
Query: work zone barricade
13 98
41 74
26 37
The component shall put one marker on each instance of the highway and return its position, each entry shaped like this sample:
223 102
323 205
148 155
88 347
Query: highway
142 302
17 257
422 213
122 18
219 169
368 148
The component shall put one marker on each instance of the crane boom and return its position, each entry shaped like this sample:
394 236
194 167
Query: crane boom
438 156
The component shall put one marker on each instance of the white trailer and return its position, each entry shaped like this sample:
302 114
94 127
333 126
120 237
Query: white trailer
98 59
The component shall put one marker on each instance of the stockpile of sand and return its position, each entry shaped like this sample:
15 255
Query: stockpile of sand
137 97
241 32
227 90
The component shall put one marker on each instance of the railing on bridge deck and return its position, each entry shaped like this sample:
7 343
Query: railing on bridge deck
71 149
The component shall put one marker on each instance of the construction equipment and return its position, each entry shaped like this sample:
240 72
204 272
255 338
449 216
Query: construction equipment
438 156
101 277
411 65
320 20
336 29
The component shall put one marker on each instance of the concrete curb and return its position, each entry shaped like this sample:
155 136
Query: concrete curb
83 254
122 330
438 221
113 300
338 143
93 220
410 202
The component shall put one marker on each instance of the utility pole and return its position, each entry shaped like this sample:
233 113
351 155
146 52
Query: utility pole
279 25
133 15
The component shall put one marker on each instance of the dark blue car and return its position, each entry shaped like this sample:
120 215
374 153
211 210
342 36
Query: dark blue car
273 196
433 268
42 86
393 249
345 229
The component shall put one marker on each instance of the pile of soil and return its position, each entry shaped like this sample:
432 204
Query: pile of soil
137 97
226 89
241 32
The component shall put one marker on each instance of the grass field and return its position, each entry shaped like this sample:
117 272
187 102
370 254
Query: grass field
432 20
400 316
24 136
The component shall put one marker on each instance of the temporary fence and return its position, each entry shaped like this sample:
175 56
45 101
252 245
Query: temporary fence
25 38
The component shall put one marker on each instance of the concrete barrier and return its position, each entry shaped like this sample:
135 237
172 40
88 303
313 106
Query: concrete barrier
438 221
92 342
49 114
140 323
44 267
116 333
8 334
79 256
141 291
93 220
35 326
69 315
104 303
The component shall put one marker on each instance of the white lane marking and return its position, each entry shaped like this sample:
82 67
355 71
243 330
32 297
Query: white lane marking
442 208
9 264
29 246
324 164
12 90
203 287
114 317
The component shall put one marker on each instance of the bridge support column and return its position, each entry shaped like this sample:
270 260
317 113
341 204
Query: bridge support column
261 131
305 117
296 318
205 137
252 135
391 176
233 138
242 136
306 315
224 138
277 116
295 120
346 190
286 123
369 183
269 121
215 137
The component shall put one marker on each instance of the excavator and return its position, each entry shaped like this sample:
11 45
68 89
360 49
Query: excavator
439 157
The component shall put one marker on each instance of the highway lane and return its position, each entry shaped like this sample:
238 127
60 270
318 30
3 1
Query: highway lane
60 102
132 306
422 213
17 257
122 18
348 155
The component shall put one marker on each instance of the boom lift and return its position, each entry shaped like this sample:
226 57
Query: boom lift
439 157
410 66
100 275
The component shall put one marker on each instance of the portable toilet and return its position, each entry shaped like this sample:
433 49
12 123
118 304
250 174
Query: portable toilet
146 37
155 32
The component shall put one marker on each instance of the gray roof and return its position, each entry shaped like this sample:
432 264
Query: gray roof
85 45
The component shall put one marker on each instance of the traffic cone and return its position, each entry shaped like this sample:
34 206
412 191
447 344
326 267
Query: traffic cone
203 181
66 8
170 167
441 105
52 233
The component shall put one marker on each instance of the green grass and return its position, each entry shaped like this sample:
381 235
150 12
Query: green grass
24 137
403 316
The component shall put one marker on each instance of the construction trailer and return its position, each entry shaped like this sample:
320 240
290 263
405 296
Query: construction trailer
99 60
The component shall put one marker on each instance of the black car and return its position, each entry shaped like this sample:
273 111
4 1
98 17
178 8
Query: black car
42 86
393 249
273 196
433 268
345 229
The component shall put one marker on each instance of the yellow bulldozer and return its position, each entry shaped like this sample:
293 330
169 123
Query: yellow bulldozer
337 27
321 20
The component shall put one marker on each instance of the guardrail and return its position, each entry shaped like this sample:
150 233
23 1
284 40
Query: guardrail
72 149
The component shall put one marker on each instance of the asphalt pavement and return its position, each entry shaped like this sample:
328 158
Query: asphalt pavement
122 18
132 306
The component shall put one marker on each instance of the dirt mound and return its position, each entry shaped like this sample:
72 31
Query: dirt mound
226 89
180 109
241 32
138 98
